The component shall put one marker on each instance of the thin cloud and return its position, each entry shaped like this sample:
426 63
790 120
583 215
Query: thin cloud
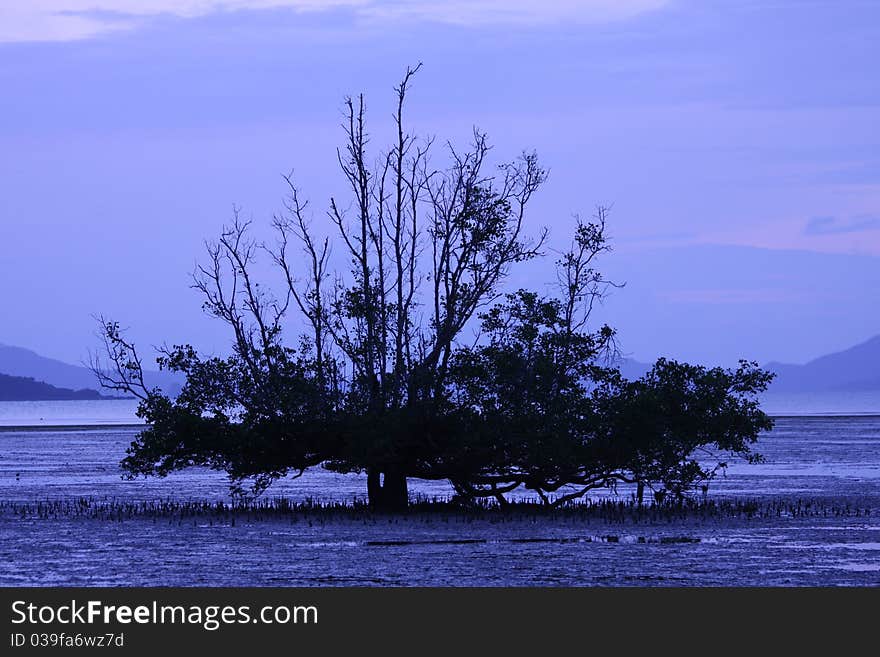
469 12
70 20
837 226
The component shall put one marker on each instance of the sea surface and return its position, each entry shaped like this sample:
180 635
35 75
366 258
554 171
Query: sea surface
109 412
86 412
821 475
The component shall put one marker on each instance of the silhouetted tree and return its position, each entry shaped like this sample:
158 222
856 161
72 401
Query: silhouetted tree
381 382
675 428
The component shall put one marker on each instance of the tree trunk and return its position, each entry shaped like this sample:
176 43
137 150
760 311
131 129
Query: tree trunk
387 491
640 492
374 488
395 495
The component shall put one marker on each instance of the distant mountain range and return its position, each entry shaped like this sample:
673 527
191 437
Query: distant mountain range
853 370
22 388
24 363
31 376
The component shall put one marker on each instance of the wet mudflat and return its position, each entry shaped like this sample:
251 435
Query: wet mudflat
813 519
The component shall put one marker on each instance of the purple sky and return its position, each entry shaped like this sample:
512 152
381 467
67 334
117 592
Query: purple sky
737 139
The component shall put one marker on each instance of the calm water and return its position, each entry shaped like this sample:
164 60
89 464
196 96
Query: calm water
822 403
122 411
833 459
68 413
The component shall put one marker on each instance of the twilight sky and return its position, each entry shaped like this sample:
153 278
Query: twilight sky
737 139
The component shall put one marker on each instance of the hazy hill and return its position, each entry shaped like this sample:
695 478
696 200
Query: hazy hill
16 361
20 388
853 369
856 368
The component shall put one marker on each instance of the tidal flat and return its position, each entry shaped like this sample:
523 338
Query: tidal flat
809 515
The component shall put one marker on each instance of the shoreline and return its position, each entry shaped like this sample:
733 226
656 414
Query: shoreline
84 426
15 428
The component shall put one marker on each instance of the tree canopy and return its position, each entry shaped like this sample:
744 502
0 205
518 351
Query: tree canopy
388 379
